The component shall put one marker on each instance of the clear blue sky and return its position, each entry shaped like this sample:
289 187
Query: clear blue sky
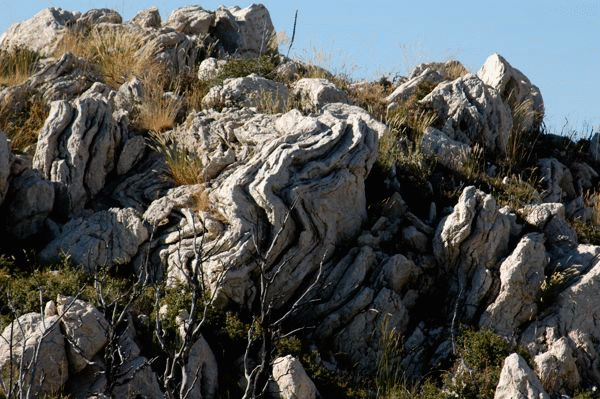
555 43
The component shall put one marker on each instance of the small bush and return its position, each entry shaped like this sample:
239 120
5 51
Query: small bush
28 292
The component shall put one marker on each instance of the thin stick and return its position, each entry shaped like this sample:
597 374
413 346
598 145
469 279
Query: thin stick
293 35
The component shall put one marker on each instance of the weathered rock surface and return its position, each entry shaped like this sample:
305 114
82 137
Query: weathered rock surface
24 335
557 368
450 153
514 87
518 381
104 238
85 328
209 68
472 111
248 92
311 166
201 361
148 18
244 31
76 147
557 179
192 20
40 33
475 223
314 93
291 379
521 276
410 87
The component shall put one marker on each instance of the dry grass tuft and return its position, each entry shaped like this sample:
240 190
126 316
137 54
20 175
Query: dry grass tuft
22 128
185 167
16 66
158 110
119 53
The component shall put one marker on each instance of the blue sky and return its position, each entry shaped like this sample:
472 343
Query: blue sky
555 43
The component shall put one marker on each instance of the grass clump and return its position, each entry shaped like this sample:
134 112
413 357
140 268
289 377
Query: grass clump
23 127
118 53
17 65
185 166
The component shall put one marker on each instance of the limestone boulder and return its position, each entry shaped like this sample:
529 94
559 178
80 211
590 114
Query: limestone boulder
556 179
450 153
312 169
313 93
21 339
403 92
472 112
209 68
97 16
244 31
191 20
28 204
476 227
523 97
249 91
363 338
565 334
85 328
521 276
131 153
201 362
77 145
104 238
40 33
147 18
557 368
65 78
291 380
518 381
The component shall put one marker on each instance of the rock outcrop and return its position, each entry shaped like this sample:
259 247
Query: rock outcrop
286 215
518 381
291 379
472 112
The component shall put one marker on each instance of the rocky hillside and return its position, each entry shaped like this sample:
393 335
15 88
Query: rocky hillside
188 213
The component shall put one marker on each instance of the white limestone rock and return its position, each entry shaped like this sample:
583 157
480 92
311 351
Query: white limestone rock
472 112
478 228
29 203
450 153
147 18
244 31
24 335
201 358
515 88
191 20
86 330
104 238
521 276
248 92
313 93
40 33
408 88
291 380
518 381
